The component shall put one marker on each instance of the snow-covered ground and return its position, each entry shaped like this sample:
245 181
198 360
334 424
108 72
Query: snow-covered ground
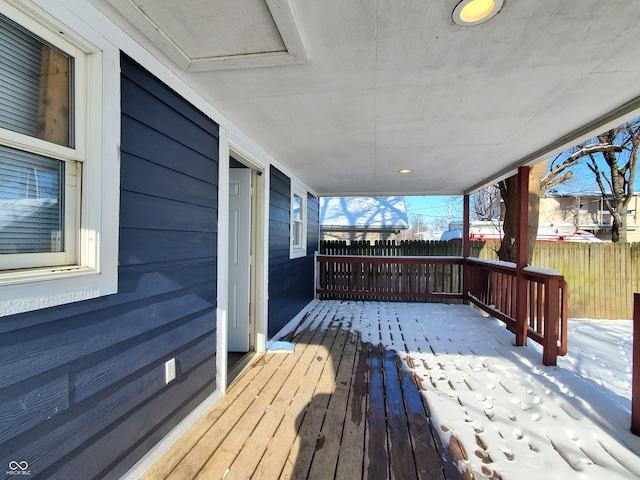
514 417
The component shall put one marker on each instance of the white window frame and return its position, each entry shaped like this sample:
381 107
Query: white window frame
93 271
297 251
73 158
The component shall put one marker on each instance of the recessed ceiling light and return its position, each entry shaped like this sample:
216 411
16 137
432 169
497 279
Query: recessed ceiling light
473 12
404 170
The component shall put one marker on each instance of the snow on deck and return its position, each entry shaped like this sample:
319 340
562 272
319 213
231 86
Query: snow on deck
514 417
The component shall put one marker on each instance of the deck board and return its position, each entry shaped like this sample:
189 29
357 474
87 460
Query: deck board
327 449
337 407
309 433
223 427
427 461
256 446
376 454
219 464
352 446
274 459
401 461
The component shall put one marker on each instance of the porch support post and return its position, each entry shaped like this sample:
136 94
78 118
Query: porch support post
466 243
466 248
522 248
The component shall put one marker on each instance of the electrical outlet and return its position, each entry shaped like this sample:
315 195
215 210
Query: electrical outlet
170 370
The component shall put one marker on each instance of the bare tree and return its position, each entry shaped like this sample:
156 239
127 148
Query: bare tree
486 203
416 225
618 148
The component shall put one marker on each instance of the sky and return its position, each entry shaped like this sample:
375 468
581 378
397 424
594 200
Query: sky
514 417
435 209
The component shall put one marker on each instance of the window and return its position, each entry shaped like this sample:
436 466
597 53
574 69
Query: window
298 223
52 184
38 191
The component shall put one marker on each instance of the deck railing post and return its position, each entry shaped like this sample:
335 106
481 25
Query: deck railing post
563 347
316 274
466 248
635 372
522 247
551 322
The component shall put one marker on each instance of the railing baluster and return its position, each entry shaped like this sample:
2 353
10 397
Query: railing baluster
539 308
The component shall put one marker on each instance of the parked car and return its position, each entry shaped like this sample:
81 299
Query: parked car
580 236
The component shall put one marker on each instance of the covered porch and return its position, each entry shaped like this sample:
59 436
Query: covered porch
404 390
122 340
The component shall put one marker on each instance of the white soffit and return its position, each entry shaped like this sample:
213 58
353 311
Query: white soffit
248 33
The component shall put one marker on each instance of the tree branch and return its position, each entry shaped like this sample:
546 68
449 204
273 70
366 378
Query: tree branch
548 182
596 171
595 148
633 163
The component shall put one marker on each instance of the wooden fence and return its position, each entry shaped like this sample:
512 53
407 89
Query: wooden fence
601 277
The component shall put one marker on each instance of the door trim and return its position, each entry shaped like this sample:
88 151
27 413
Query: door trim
260 274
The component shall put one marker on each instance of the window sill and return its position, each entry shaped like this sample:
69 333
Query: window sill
17 277
298 253
48 287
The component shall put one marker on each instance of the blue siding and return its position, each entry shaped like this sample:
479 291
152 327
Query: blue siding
290 280
82 391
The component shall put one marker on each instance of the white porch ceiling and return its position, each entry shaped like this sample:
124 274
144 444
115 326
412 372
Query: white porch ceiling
345 93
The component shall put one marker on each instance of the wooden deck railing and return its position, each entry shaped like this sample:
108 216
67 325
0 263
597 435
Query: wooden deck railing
490 285
389 278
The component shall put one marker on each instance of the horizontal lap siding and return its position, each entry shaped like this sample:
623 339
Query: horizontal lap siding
290 280
82 391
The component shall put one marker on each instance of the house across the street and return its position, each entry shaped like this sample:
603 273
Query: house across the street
587 212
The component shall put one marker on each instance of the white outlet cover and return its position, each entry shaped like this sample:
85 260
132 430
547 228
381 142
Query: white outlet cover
170 370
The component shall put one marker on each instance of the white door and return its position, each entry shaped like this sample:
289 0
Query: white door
239 252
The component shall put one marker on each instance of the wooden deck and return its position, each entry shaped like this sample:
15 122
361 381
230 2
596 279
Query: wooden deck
335 408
